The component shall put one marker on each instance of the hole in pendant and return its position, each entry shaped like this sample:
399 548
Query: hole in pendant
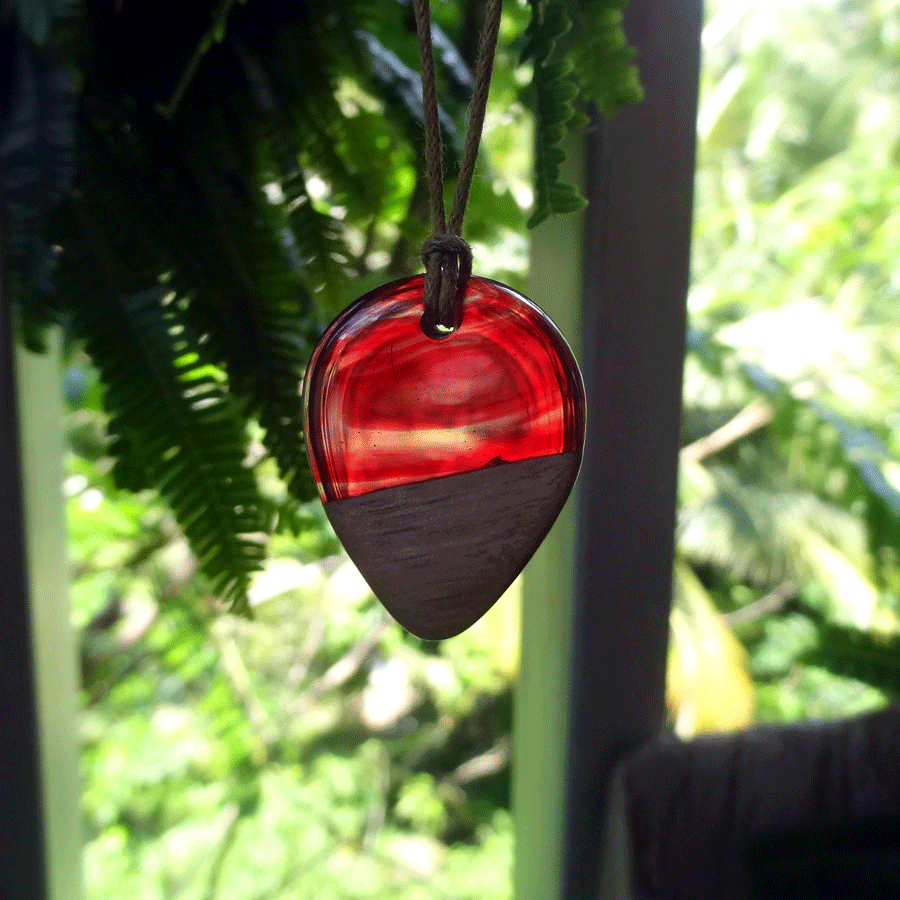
435 330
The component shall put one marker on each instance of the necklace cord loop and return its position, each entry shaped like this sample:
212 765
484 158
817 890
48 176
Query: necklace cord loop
447 256
448 266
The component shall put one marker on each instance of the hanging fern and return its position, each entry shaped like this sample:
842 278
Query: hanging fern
278 339
182 433
602 57
248 297
555 112
192 261
597 68
312 240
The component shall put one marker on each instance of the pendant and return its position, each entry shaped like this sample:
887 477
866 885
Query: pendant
442 463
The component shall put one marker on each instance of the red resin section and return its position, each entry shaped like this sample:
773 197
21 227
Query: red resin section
385 405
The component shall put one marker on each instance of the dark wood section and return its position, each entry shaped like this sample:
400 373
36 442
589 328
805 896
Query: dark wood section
439 553
639 174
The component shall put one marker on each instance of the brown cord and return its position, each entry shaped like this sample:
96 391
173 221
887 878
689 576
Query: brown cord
434 155
447 257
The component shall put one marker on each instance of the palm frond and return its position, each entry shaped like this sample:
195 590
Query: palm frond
861 451
761 534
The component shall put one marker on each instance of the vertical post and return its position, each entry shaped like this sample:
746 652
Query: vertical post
54 653
40 804
21 818
639 172
539 739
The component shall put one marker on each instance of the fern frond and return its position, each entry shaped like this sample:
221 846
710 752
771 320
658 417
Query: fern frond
182 433
227 255
555 114
312 239
340 150
244 274
597 68
267 311
602 57
555 96
278 328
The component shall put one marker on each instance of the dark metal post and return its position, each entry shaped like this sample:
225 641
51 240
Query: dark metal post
22 861
639 173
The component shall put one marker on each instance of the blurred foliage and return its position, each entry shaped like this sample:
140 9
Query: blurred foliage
789 517
312 750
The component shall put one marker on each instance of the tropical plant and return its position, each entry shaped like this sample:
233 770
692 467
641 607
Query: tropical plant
194 217
790 501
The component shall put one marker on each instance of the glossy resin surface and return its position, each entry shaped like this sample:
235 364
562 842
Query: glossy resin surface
385 405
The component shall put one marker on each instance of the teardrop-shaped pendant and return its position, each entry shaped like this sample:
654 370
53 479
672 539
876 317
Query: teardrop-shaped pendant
442 464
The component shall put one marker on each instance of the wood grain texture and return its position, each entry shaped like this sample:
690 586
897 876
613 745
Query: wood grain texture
438 554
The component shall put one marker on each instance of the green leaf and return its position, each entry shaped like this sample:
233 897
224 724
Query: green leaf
862 451
867 656
252 274
311 240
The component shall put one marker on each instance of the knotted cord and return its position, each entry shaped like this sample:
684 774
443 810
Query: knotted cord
447 257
